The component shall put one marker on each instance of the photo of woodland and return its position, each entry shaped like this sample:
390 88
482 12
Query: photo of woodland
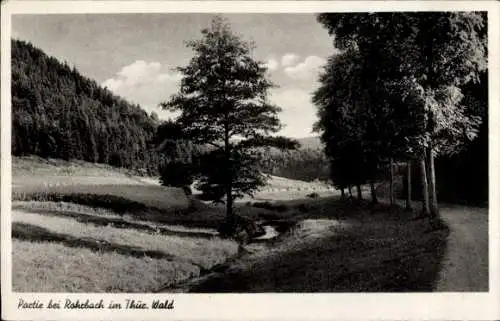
245 152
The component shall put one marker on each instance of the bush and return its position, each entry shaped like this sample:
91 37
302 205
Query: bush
177 174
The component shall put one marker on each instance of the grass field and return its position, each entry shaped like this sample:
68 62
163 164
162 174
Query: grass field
55 267
350 249
50 246
125 233
142 234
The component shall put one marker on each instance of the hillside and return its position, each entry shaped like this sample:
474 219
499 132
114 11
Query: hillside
58 113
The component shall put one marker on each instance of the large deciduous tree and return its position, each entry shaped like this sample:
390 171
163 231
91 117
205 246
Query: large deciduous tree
428 57
223 104
340 122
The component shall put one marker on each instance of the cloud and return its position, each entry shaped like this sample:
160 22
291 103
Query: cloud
306 69
272 64
298 115
289 59
146 84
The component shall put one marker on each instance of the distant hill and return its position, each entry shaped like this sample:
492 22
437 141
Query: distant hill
311 142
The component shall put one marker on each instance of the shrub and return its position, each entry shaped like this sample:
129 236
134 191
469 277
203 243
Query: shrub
177 174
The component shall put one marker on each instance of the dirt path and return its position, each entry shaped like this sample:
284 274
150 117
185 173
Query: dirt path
465 265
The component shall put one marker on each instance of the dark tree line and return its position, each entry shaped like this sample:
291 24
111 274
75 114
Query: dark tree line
56 112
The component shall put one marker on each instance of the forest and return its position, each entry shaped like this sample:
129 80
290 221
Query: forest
58 113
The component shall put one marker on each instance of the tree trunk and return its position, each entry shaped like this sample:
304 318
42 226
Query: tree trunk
408 186
425 187
350 190
391 178
229 203
434 205
229 178
342 193
360 195
373 193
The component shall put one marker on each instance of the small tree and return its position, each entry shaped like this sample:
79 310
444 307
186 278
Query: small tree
177 174
176 167
224 106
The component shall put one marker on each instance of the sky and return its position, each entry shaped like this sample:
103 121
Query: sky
134 55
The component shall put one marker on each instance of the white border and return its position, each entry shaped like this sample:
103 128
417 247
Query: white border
434 306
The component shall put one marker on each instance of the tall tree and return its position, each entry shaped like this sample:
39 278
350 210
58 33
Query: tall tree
339 123
432 54
223 100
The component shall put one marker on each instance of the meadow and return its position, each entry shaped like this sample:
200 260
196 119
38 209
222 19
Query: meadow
137 236
72 220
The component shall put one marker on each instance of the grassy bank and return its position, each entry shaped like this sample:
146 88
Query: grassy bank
378 249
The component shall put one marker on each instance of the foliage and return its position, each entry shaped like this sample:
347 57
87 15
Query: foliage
463 177
428 54
401 80
177 174
223 103
340 123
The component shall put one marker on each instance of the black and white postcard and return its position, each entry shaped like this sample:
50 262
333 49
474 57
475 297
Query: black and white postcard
250 160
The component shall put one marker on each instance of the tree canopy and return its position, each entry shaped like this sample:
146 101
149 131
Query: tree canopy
405 72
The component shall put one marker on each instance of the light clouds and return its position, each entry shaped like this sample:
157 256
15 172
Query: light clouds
289 59
140 73
296 68
305 69
298 113
298 75
145 83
